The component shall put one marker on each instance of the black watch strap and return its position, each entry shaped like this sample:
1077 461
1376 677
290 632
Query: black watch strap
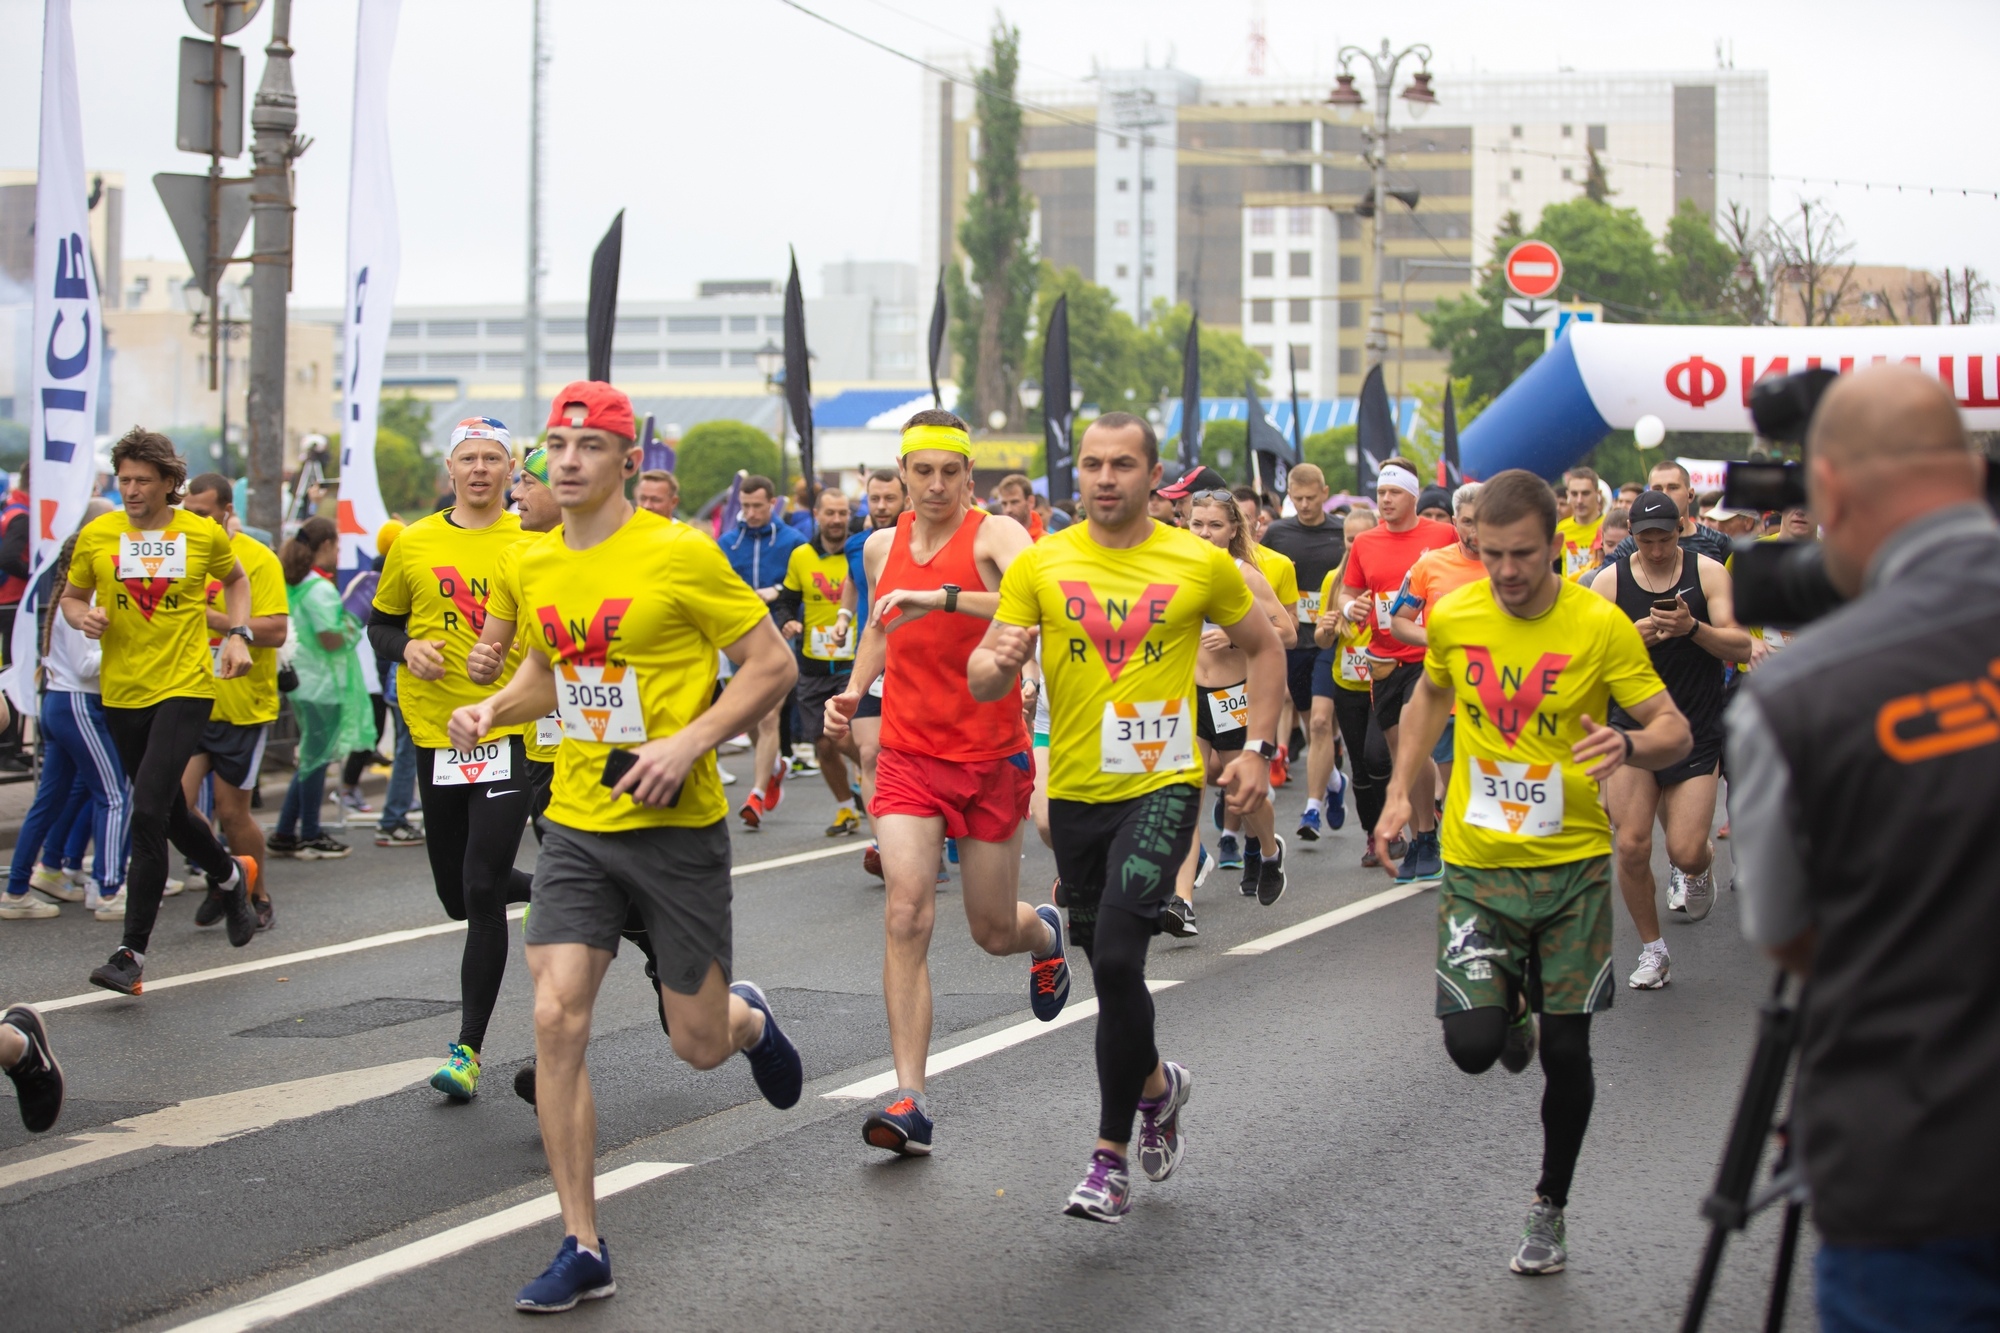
951 597
1625 736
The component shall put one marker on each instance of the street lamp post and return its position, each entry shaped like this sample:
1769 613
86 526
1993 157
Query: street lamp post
1382 65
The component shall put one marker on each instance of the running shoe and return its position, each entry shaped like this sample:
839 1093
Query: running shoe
1336 801
404 834
1309 826
1229 852
26 907
524 1083
240 916
55 883
1057 894
1424 863
1106 1192
355 803
325 847
287 844
1723 832
871 859
213 904
1177 919
458 1077
1677 891
846 822
1221 809
900 1127
175 886
1370 861
1519 1047
575 1275
1160 1145
1271 874
1654 971
112 908
752 811
774 1061
266 913
1699 894
728 779
1281 768
38 1079
659 1000
951 850
1203 863
1253 866
1541 1250
774 789
121 973
1048 978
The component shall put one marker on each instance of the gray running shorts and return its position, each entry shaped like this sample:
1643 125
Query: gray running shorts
678 878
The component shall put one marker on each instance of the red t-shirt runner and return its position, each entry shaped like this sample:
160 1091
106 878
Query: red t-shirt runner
1377 560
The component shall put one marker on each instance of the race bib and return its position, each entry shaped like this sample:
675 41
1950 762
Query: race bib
823 644
1308 607
152 555
1146 737
1385 610
488 761
1520 800
549 730
1577 559
1354 665
600 703
876 688
1229 710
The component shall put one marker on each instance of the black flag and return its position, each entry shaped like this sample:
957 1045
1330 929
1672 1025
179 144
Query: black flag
1451 474
1375 438
603 311
798 380
939 317
1056 409
1191 395
1270 452
1298 423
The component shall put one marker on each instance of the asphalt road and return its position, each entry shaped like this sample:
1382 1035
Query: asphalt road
1341 1173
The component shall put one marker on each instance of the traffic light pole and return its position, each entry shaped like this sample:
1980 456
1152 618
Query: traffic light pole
273 118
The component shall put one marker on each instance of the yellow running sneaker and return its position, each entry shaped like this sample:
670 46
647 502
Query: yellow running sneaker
459 1078
846 821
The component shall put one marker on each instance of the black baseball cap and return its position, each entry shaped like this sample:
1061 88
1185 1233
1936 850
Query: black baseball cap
1197 478
1655 511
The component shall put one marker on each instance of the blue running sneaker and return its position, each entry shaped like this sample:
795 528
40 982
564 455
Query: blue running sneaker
1309 826
1423 863
1160 1125
900 1127
1105 1195
574 1276
951 850
1336 801
1228 852
1048 978
773 1060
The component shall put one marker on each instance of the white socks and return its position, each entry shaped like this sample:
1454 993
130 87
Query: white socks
1313 805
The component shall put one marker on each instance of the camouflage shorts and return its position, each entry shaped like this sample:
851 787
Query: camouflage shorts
1547 931
1125 854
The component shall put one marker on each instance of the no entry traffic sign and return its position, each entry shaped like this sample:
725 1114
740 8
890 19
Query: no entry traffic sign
1533 269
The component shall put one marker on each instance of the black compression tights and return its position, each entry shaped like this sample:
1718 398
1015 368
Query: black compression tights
1126 1055
1367 753
472 833
1473 1040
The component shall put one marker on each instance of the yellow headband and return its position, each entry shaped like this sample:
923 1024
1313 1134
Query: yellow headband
936 437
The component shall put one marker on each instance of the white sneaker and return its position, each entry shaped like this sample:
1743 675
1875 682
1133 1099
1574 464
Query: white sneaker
728 778
174 886
1654 969
112 908
1699 894
55 883
26 907
736 744
1677 890
93 896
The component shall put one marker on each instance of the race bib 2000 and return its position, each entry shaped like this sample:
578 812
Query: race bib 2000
1146 737
600 703
488 761
1520 800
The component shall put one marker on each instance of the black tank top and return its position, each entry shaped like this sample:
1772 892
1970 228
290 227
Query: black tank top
1692 675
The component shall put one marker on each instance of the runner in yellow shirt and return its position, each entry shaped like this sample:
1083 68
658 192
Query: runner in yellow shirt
1582 531
430 605
232 744
1121 600
148 566
807 608
1343 686
1534 663
626 611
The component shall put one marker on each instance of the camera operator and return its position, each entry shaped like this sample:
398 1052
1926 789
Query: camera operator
1866 766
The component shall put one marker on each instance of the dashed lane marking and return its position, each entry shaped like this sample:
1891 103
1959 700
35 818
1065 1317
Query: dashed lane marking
1277 939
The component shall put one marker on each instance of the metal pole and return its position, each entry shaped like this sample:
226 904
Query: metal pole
215 256
1378 333
531 322
222 458
274 117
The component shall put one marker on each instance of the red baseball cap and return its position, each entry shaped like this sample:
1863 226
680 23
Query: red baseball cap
595 405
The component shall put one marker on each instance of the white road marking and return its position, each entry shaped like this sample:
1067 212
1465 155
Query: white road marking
1277 939
404 1258
368 942
978 1048
202 1121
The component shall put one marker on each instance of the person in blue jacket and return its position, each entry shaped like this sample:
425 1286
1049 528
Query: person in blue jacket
758 549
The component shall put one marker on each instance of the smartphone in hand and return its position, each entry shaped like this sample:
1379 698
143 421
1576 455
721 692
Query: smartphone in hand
619 762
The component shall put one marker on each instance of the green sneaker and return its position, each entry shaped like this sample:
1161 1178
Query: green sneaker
459 1078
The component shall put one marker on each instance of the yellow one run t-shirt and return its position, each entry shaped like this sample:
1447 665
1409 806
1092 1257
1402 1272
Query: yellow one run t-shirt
440 575
251 700
1282 573
1350 643
1522 687
156 646
818 578
1579 546
659 600
1120 633
504 604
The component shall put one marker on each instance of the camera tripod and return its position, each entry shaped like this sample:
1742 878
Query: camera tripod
1731 1204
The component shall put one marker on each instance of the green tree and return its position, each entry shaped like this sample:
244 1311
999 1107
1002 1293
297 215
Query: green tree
990 336
1227 362
712 453
1700 269
408 417
1104 343
1327 450
1484 352
1226 437
408 477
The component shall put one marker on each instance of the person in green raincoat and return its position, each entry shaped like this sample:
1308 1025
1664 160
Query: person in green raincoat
331 701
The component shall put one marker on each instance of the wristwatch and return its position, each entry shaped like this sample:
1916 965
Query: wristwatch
950 596
243 632
1267 749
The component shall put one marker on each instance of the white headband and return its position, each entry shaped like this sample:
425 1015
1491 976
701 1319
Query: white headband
1400 477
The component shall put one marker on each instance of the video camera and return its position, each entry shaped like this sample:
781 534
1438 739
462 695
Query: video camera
1784 584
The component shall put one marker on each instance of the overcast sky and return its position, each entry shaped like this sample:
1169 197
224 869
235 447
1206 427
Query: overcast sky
730 130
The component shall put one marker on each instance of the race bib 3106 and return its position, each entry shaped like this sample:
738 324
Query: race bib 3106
1520 800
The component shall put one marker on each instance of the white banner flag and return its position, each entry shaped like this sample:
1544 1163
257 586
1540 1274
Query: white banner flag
374 253
67 347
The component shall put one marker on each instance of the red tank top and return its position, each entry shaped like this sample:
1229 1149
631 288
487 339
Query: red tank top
927 708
